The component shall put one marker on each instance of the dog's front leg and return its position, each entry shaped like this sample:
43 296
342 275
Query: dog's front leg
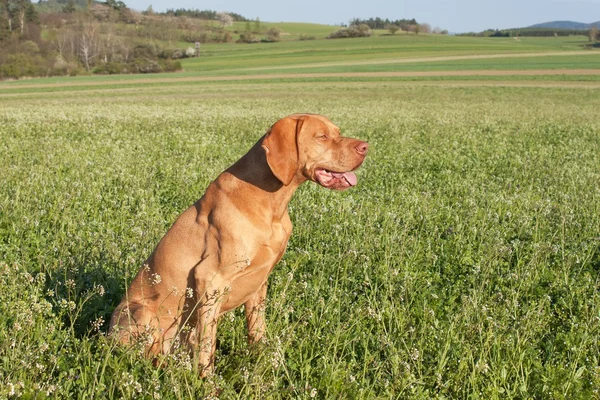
255 314
206 328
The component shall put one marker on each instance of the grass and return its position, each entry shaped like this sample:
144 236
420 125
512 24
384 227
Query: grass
227 56
400 53
587 61
465 264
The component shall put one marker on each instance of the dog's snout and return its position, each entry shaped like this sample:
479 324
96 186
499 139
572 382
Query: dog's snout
361 148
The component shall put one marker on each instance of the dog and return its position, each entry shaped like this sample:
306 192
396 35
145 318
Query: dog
219 253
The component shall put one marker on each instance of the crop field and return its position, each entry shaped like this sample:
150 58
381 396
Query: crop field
464 264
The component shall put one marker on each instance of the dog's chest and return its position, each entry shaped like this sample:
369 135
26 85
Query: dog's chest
269 250
250 277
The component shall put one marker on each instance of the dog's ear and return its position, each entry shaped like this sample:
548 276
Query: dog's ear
281 146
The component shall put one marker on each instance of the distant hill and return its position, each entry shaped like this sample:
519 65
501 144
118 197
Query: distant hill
566 25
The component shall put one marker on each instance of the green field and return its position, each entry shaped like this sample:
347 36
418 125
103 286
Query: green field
465 264
217 57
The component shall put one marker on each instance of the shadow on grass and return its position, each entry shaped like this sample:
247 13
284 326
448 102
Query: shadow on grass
94 286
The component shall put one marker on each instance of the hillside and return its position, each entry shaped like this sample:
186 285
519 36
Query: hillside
64 37
566 25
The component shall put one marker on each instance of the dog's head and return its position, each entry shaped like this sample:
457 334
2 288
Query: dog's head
309 146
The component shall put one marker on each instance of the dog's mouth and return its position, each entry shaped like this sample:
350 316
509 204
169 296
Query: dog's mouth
335 180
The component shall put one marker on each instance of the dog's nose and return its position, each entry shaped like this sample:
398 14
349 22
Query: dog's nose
362 148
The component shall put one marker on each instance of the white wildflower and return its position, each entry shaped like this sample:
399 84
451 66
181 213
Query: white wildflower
189 293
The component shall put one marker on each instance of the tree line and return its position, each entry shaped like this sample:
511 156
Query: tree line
379 23
393 26
209 15
15 16
526 32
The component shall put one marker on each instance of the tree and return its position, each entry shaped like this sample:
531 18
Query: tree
257 25
393 28
22 6
116 4
593 34
69 7
63 40
5 26
89 43
273 35
224 19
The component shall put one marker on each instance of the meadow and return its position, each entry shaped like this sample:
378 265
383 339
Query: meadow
465 264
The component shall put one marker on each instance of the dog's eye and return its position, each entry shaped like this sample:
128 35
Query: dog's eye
322 136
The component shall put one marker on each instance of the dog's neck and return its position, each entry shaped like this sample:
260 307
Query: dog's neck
254 171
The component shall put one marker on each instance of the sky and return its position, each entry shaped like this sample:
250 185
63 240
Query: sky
455 16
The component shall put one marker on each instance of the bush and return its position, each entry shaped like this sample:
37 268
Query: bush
193 37
147 50
273 35
304 36
226 37
29 47
361 30
110 68
22 65
146 66
170 65
63 67
172 54
248 37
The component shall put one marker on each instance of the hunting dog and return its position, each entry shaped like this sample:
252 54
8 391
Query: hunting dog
219 253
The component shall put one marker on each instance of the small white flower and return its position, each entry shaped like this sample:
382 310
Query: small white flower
414 355
97 324
155 279
99 289
51 389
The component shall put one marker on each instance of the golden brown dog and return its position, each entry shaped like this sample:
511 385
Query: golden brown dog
220 251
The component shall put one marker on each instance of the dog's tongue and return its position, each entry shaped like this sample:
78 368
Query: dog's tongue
350 177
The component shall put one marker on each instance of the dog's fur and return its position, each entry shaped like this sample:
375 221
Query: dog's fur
219 253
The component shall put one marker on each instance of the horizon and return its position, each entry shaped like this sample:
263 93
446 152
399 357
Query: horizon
456 17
